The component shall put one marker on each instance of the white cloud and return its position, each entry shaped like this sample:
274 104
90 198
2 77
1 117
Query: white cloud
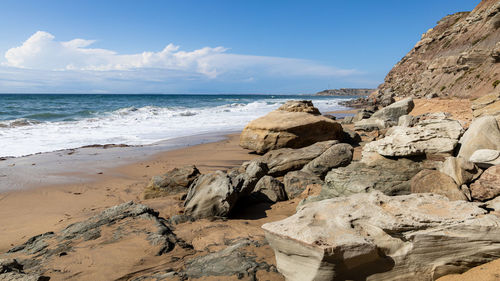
41 51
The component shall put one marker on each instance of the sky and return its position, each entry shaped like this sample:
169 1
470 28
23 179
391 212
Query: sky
219 46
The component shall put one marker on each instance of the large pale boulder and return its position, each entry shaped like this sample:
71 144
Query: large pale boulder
174 181
485 158
291 126
432 181
386 117
377 237
483 133
487 186
395 110
338 155
460 170
427 137
392 177
281 161
211 195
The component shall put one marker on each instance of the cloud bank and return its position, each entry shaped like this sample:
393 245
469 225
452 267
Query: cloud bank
75 60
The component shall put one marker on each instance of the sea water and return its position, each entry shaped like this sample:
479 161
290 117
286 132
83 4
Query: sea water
33 123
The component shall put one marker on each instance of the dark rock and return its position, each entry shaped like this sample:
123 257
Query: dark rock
392 177
231 261
281 161
297 181
174 181
269 189
339 155
212 195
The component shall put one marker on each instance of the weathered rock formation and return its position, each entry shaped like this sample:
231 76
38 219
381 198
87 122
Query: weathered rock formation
136 227
294 125
392 177
427 136
377 237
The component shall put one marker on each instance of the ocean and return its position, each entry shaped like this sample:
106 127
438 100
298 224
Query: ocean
34 123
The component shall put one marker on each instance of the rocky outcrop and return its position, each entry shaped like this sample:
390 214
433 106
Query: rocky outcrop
117 226
345 92
174 181
431 181
377 237
294 125
487 186
339 155
426 137
392 177
231 261
483 133
485 158
458 57
297 181
12 270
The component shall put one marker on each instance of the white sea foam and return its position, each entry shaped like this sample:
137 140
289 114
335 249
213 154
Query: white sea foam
137 126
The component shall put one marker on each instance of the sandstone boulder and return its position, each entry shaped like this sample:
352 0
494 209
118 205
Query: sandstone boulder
211 195
299 106
174 181
485 158
431 181
483 133
292 127
426 137
371 124
460 170
487 186
392 177
297 181
377 237
269 189
339 155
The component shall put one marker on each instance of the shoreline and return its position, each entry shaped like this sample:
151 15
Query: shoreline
28 212
86 163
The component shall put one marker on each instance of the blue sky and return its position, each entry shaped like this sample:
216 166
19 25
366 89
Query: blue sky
208 46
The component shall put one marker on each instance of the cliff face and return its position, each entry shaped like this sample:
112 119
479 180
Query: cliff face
460 57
